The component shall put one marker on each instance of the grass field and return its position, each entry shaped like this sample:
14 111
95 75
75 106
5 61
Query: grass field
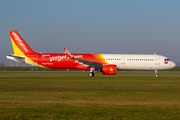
74 95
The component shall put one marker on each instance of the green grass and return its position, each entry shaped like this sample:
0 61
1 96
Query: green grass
74 95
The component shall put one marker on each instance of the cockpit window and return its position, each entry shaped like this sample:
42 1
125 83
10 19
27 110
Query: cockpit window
167 60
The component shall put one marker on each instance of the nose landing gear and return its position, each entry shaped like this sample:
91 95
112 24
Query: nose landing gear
156 73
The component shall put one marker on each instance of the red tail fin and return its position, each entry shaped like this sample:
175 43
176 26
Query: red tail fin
20 47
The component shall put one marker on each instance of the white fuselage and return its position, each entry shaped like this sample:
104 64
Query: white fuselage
139 61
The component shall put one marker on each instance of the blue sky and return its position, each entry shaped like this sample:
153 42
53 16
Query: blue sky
93 26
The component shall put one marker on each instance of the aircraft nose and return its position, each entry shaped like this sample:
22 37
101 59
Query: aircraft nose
173 64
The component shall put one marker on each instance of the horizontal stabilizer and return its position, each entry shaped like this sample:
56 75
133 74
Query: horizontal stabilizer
16 58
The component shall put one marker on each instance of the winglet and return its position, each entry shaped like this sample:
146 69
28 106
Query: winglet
68 53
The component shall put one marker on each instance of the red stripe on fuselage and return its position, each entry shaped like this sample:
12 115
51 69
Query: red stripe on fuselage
62 61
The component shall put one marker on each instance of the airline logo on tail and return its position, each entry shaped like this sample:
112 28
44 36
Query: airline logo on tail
20 47
17 38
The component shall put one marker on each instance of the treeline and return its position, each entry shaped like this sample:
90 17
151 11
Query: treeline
5 68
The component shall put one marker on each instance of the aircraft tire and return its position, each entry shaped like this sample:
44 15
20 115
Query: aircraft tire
90 74
156 75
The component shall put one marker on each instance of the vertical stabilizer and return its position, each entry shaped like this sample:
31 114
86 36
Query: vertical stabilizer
20 47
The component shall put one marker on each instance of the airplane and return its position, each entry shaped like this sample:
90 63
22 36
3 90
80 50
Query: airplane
108 64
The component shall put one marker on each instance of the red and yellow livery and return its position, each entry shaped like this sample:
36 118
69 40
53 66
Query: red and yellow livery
24 54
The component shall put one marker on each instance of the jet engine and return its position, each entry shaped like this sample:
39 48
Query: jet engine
109 69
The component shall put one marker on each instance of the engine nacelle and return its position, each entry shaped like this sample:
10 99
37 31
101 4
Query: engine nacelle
109 69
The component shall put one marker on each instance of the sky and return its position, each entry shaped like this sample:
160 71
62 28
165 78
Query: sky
93 26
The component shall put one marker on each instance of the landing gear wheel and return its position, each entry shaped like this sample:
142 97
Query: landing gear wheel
156 75
90 74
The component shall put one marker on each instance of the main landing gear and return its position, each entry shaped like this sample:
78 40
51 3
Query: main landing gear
156 73
91 73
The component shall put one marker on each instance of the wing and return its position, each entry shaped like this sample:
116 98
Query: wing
88 63
85 63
